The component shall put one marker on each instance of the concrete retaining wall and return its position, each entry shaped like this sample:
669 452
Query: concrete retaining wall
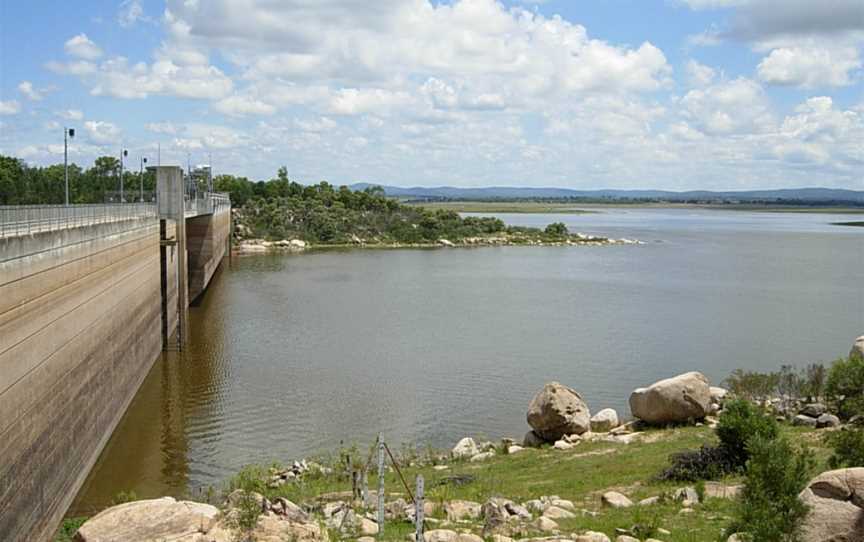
207 239
80 327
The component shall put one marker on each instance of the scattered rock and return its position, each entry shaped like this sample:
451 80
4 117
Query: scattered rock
857 348
604 421
298 243
804 420
591 536
154 519
716 490
677 399
440 535
501 538
562 503
545 524
836 501
445 243
462 510
827 420
468 537
554 512
532 440
465 448
626 538
514 449
556 411
482 457
813 410
687 496
649 501
614 499
736 537
368 527
562 445
718 394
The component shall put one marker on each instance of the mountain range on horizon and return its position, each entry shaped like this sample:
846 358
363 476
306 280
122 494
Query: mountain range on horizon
808 195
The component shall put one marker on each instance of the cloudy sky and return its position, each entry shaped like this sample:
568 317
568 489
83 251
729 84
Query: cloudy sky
676 94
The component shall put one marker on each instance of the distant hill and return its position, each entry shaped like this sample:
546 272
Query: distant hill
786 195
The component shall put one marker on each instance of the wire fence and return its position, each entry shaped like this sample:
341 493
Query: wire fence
18 220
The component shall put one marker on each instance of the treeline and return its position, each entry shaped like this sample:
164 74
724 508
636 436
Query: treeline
21 184
323 213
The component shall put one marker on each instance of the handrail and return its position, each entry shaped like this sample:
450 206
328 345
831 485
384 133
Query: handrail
18 220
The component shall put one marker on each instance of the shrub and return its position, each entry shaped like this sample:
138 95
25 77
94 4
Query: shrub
848 446
739 423
706 463
769 509
557 229
752 385
845 386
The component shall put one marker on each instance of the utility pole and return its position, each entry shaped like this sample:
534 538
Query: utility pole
141 177
71 133
123 153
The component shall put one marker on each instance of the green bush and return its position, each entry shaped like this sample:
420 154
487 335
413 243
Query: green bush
769 509
706 463
739 423
845 386
752 385
848 446
556 229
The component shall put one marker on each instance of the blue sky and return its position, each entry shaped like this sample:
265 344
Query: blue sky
676 94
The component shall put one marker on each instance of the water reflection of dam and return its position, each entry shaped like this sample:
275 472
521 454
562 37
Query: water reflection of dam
89 297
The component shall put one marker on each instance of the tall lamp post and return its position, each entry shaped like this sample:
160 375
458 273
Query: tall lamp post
123 153
68 133
141 177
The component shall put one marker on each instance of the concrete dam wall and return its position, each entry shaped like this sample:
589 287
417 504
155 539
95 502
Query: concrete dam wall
84 313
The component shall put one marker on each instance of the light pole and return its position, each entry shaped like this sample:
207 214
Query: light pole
123 153
67 134
141 177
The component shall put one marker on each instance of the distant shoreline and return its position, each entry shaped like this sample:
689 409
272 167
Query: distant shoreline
538 207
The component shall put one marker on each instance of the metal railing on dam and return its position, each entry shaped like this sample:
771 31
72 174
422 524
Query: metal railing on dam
18 220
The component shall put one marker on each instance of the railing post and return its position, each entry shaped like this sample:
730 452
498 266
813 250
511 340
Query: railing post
380 487
418 509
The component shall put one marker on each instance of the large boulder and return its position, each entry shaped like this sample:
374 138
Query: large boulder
857 348
677 399
836 501
465 448
150 520
556 411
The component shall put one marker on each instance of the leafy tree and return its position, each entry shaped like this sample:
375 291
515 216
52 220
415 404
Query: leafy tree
556 229
845 386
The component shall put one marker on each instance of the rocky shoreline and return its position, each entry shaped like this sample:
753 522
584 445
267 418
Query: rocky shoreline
561 423
259 246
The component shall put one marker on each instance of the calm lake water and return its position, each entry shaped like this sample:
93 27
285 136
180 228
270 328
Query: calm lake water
291 355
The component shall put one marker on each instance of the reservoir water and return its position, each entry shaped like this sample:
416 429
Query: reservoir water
292 355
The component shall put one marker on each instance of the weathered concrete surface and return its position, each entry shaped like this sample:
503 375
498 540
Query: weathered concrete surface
80 327
207 238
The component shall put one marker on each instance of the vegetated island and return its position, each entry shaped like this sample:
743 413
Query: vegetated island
858 224
286 215
772 457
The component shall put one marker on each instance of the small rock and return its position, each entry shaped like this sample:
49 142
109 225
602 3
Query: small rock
440 535
562 503
736 537
514 449
501 538
532 440
718 394
562 445
813 410
368 527
687 496
482 457
804 421
465 448
298 243
545 524
445 242
716 490
604 421
649 501
857 348
468 537
440 467
827 420
535 505
626 538
462 510
555 512
591 536
614 499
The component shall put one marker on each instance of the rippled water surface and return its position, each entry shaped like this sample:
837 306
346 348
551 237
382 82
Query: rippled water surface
290 355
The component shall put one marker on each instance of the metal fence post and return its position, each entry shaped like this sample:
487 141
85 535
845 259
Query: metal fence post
418 509
380 487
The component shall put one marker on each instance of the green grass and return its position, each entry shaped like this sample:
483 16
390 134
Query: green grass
581 475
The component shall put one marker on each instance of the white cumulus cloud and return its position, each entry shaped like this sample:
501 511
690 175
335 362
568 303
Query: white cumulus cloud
810 67
82 47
